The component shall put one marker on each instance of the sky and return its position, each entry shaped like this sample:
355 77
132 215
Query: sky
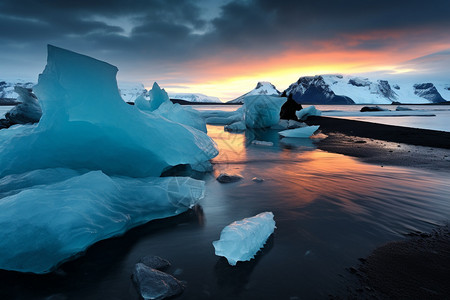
223 48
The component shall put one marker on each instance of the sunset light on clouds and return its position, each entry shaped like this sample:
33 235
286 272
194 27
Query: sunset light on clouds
223 48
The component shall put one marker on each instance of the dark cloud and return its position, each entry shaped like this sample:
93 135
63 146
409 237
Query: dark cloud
161 33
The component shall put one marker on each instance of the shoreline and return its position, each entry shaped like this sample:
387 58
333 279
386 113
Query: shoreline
385 144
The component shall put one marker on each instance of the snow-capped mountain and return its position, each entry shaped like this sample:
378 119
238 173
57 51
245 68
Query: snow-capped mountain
128 90
7 88
199 98
340 89
262 88
131 90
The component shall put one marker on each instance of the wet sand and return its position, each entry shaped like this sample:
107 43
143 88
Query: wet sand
419 266
385 144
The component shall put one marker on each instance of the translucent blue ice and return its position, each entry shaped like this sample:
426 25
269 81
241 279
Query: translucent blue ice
85 124
304 113
160 105
302 132
262 111
86 171
43 224
241 240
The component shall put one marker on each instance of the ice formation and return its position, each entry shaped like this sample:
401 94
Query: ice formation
262 111
241 240
43 225
160 104
85 124
84 172
303 114
302 132
28 111
236 127
218 117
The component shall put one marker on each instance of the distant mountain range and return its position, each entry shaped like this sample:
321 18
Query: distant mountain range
340 89
196 98
262 88
128 90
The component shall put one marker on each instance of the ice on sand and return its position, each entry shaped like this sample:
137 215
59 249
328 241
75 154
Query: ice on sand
304 113
302 132
241 240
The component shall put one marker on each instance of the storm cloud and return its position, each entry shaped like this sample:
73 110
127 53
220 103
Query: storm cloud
157 35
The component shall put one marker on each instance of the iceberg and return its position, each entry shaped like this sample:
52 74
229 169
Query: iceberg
219 117
262 111
302 132
241 240
160 104
87 171
235 127
42 226
304 113
86 125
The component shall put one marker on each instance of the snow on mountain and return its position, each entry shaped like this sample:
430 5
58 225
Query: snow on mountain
7 88
347 89
262 88
131 90
128 90
194 97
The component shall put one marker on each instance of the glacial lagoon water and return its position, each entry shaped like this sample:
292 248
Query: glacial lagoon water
329 210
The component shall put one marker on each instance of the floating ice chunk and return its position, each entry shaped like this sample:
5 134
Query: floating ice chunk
27 111
226 178
262 143
241 240
302 132
44 225
157 96
303 114
262 111
257 179
85 124
154 284
218 117
236 127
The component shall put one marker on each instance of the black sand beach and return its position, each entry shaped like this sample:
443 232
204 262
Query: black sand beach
415 268
385 144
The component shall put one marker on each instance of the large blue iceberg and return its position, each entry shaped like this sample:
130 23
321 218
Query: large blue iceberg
262 111
43 225
86 124
89 169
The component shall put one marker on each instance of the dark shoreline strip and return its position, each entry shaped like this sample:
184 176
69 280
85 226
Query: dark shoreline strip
398 134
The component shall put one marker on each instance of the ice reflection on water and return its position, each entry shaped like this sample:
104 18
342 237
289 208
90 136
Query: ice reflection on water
329 209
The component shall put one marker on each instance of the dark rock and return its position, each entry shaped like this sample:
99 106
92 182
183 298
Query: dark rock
384 88
314 90
155 262
289 108
395 86
372 108
359 83
226 178
429 92
154 284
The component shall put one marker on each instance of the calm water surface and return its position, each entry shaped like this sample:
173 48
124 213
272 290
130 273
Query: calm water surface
329 210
